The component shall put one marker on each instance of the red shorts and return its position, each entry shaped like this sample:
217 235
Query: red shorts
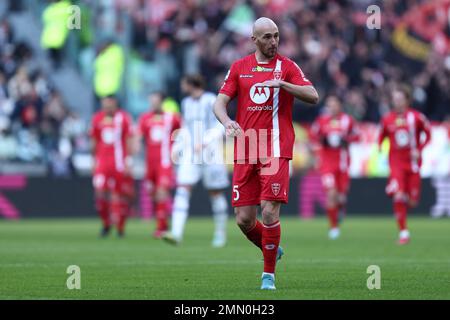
255 182
404 181
159 177
335 179
113 181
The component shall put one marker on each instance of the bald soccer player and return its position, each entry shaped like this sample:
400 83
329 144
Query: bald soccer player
265 85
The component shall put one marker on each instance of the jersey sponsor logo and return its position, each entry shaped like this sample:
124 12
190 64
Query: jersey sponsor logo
108 135
259 94
402 138
157 133
334 139
259 108
245 76
261 69
276 188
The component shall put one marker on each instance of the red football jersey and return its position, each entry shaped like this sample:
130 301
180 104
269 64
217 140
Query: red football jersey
157 129
334 130
111 134
265 114
404 131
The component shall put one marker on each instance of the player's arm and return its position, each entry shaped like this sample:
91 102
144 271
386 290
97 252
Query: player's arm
317 138
226 94
306 94
93 134
383 135
296 84
353 134
232 128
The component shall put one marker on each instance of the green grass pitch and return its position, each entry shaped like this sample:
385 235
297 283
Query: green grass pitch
34 256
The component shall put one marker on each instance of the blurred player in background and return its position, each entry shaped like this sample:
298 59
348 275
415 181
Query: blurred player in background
265 84
408 131
111 132
156 128
333 132
202 145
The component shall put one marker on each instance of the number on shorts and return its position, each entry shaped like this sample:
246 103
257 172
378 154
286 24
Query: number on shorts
236 191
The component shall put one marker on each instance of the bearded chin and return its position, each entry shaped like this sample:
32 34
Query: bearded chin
268 54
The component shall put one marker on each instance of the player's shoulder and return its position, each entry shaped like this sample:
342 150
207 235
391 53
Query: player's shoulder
388 116
347 117
186 99
97 116
239 63
418 114
321 118
287 61
125 114
145 115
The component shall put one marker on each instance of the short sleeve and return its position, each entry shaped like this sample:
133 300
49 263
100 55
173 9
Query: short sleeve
127 125
176 122
141 125
94 131
230 84
296 76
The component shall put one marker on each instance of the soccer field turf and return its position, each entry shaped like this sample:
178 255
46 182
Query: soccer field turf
34 256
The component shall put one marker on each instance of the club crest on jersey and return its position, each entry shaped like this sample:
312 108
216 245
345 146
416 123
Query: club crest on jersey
276 188
277 75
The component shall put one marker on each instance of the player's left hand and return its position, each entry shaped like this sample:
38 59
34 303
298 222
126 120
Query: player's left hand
272 83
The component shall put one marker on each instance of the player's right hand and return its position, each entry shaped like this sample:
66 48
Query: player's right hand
232 128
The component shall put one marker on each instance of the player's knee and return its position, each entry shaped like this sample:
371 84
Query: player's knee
412 203
342 198
244 222
182 196
219 202
399 197
270 211
332 198
161 194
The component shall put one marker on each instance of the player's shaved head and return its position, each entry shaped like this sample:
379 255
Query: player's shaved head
266 37
262 25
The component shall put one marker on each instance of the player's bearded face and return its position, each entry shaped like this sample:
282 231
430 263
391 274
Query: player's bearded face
109 105
399 101
268 44
333 106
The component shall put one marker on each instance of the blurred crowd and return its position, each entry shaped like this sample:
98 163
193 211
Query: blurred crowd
35 125
328 39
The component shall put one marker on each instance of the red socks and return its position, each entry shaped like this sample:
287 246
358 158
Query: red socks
161 216
119 209
270 240
102 207
400 211
333 216
255 234
267 238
